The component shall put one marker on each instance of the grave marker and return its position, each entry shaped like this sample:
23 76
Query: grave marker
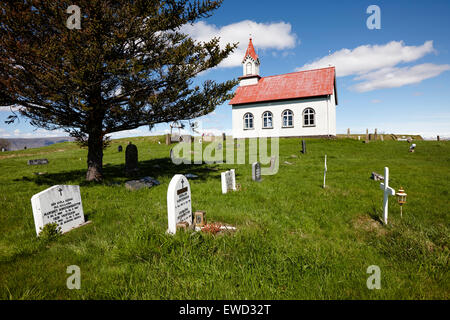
273 164
131 159
37 162
256 171
119 148
228 179
303 146
60 204
325 171
179 207
387 191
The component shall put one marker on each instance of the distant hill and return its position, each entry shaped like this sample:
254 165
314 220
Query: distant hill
20 143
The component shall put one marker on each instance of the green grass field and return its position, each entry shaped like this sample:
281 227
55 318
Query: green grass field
295 240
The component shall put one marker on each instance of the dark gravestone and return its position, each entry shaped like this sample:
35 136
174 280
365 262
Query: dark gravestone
303 146
256 171
131 159
224 137
119 148
37 162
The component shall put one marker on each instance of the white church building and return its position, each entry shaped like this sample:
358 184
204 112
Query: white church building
298 104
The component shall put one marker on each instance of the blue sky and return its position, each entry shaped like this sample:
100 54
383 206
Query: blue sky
395 79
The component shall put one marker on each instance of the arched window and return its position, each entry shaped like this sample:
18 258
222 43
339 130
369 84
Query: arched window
309 117
248 121
267 120
288 118
249 68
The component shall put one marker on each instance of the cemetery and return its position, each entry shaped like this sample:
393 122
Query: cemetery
240 187
225 231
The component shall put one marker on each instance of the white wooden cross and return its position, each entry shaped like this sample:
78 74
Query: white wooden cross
388 191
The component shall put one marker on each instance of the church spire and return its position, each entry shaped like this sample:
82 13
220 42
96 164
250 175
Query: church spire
251 61
251 52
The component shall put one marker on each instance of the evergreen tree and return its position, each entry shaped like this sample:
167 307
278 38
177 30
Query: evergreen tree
127 65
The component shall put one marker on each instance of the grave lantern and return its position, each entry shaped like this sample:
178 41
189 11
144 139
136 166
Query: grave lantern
401 199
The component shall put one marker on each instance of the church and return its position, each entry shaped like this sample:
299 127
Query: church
298 104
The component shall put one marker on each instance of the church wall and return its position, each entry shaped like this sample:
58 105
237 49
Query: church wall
325 117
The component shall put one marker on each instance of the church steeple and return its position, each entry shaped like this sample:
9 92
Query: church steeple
250 65
251 61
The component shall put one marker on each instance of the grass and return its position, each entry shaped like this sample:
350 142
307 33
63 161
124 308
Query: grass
295 240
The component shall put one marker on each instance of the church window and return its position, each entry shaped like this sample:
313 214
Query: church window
249 68
248 121
309 117
267 120
288 118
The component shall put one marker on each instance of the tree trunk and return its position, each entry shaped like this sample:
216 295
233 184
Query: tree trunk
95 156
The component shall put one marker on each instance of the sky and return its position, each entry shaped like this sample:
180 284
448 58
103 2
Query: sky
395 78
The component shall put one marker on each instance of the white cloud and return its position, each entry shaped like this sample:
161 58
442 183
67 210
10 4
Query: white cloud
376 101
375 65
266 36
367 58
13 108
39 133
397 77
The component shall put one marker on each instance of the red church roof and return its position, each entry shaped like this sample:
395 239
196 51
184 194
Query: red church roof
302 84
251 51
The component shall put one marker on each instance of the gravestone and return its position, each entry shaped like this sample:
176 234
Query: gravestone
186 138
256 171
303 146
273 161
179 207
37 162
131 159
168 140
119 148
60 204
219 146
224 137
228 181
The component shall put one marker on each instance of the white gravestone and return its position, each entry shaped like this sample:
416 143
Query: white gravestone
59 204
179 207
228 181
388 191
